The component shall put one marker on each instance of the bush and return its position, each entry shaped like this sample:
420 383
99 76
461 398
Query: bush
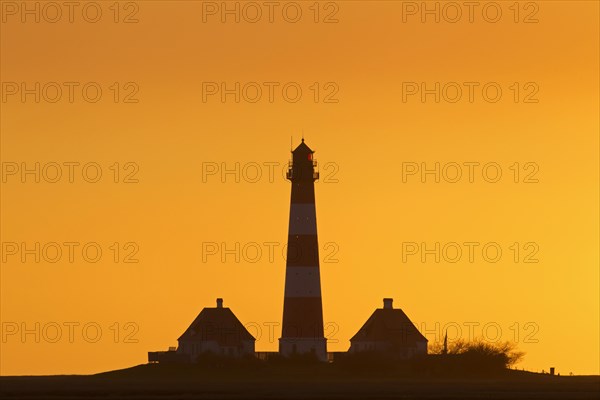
471 357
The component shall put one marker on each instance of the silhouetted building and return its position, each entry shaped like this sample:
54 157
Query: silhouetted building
216 330
389 330
302 330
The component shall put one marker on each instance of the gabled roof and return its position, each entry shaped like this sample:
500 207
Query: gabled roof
217 324
389 325
302 148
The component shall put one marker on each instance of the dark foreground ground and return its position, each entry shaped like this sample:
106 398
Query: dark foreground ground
307 382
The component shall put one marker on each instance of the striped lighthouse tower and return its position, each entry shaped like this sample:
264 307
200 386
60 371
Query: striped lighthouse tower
302 330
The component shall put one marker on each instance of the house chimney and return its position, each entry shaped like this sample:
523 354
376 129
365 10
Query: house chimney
219 303
387 303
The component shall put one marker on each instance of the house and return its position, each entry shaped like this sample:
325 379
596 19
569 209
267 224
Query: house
216 330
389 331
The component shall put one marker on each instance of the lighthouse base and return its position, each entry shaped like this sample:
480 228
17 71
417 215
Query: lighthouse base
291 346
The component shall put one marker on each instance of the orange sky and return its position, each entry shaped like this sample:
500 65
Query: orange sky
367 213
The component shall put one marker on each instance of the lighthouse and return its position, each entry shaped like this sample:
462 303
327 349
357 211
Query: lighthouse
302 330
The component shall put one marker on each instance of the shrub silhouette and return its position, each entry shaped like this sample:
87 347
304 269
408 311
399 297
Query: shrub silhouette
476 357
